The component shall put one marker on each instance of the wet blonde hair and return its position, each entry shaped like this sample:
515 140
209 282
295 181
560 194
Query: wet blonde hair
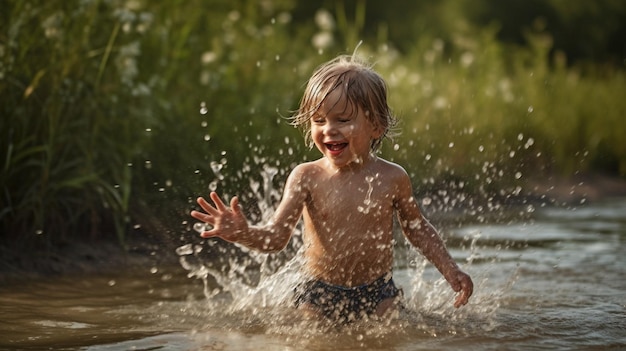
362 87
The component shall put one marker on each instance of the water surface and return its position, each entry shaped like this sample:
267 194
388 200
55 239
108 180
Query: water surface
553 282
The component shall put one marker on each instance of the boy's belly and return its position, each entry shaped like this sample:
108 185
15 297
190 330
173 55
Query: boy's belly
349 271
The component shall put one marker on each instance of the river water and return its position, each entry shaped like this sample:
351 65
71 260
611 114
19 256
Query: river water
555 281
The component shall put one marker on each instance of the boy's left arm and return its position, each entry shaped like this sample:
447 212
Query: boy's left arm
423 235
427 240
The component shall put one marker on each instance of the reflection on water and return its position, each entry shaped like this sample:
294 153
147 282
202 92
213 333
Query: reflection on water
554 282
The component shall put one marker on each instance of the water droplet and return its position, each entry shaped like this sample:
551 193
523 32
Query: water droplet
427 201
529 143
481 148
201 227
154 270
216 167
415 224
203 108
518 175
185 249
451 145
427 157
530 109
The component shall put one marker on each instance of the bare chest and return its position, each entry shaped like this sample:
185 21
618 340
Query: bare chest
343 201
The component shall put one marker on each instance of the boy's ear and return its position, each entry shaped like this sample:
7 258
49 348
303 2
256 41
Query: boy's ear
378 131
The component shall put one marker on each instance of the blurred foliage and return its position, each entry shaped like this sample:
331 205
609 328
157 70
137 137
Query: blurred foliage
117 114
586 31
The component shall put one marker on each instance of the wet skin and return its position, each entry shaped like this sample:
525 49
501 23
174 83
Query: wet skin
347 200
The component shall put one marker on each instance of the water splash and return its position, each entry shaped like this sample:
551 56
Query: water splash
251 289
254 290
368 196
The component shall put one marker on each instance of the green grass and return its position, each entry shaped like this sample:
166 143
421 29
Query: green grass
102 129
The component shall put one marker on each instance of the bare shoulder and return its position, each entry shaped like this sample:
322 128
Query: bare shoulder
305 172
396 177
306 168
392 170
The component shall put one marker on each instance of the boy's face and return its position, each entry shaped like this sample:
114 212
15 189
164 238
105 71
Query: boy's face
342 134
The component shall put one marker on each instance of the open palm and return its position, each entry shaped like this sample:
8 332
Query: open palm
228 222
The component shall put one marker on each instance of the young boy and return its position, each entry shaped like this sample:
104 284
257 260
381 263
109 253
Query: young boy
347 200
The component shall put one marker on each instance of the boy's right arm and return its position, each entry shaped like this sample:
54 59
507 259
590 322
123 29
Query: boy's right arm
230 224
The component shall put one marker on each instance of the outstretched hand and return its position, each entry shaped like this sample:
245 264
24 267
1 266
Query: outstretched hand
228 222
462 284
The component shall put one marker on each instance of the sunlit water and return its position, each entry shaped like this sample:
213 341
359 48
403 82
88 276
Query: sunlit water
555 281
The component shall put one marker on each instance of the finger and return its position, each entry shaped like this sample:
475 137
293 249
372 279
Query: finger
203 217
206 206
466 292
218 202
467 286
209 233
460 300
216 233
234 205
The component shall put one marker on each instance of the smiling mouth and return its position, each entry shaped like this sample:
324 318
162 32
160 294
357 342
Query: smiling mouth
335 148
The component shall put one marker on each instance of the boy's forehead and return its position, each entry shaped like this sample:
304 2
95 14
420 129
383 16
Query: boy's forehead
336 101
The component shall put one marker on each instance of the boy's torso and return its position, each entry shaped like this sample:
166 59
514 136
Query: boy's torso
348 222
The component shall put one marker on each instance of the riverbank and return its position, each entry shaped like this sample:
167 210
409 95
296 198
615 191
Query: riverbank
85 257
148 251
578 189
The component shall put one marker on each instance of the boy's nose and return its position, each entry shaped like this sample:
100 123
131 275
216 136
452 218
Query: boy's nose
330 129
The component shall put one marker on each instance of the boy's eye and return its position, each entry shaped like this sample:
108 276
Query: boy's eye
321 120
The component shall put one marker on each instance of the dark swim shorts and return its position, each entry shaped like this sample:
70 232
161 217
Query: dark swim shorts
344 304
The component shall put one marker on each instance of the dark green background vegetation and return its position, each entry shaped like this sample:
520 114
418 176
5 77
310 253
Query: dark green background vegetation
115 115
